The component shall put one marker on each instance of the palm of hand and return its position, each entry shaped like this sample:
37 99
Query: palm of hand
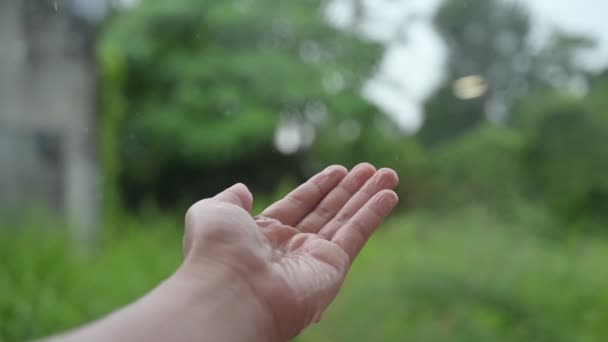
295 255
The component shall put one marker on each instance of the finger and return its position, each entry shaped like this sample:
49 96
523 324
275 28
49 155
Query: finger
238 195
383 179
298 203
335 200
355 233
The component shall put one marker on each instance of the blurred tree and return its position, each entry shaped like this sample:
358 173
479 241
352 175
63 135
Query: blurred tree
493 63
482 168
598 88
565 154
198 93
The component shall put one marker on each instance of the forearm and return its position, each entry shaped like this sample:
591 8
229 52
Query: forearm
184 309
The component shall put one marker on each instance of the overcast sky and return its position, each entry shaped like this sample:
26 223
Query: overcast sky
415 69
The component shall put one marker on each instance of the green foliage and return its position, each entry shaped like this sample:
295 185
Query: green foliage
112 108
192 93
483 36
596 98
565 155
49 284
482 167
492 39
464 277
203 85
553 153
448 117
468 277
551 146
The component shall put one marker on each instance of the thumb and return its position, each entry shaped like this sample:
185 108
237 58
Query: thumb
238 195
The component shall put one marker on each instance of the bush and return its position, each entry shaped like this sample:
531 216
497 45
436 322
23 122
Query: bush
47 284
565 156
467 277
482 168
463 277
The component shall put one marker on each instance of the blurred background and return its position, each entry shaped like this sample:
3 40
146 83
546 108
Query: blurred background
115 115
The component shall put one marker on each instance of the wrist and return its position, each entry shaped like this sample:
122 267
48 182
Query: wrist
225 307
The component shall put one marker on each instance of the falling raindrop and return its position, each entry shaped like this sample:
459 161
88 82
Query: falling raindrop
55 3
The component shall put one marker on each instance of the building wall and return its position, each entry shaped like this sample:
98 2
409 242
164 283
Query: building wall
47 112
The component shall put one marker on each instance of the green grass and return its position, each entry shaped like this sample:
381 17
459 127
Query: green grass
47 284
464 277
467 278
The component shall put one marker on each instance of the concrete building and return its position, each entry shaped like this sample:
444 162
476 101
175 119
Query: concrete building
48 108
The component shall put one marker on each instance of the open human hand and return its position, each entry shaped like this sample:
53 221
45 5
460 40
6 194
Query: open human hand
294 256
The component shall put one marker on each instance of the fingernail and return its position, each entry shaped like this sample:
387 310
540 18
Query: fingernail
334 168
330 169
364 165
334 171
388 178
386 201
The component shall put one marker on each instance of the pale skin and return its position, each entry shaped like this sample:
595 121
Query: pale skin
262 278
